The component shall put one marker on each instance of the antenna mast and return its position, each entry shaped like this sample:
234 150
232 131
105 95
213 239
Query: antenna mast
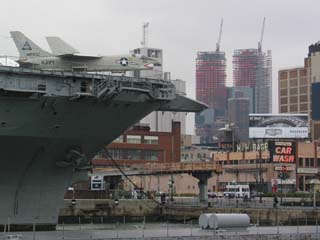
144 41
261 37
219 39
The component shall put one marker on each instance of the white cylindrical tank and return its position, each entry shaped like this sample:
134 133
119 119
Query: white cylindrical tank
229 220
204 220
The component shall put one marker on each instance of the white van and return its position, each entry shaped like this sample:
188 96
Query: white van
237 190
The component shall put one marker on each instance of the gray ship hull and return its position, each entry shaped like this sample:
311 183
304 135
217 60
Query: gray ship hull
53 123
38 141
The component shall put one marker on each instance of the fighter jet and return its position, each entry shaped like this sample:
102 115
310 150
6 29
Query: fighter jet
66 58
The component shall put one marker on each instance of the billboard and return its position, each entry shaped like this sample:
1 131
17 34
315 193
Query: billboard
282 152
278 126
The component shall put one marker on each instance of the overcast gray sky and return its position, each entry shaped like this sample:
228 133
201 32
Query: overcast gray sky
179 27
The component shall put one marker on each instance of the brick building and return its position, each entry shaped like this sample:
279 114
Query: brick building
295 88
140 145
245 167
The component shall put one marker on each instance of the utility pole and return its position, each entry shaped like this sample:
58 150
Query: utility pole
144 41
281 186
260 176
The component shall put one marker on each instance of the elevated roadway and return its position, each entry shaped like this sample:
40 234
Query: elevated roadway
200 170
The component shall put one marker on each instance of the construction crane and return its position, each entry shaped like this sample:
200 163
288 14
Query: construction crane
261 37
219 39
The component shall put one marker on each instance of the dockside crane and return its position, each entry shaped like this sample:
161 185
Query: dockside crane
261 37
219 38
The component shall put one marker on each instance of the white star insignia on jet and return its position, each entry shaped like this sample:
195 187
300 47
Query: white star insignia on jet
124 61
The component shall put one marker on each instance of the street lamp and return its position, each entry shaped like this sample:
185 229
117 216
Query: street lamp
314 182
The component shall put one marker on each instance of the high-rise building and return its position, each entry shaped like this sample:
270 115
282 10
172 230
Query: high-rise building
238 115
295 88
253 68
211 89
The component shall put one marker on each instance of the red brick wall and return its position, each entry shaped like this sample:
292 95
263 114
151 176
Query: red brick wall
168 145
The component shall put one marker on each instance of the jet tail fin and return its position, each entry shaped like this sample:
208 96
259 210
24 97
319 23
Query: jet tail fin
26 47
60 47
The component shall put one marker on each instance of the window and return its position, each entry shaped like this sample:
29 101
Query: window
303 107
293 74
83 87
300 162
41 87
294 108
293 99
284 92
150 155
134 154
153 53
303 73
303 81
309 162
136 139
116 154
303 90
284 109
151 139
293 91
283 84
304 98
284 100
293 82
283 75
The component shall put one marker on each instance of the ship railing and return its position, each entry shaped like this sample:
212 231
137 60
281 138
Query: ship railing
111 85
103 85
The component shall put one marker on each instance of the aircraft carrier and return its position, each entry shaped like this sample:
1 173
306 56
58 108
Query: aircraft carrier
52 123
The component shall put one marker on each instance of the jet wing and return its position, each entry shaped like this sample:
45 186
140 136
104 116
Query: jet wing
60 47
64 50
183 104
78 57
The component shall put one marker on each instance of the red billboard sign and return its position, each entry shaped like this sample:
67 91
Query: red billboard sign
282 152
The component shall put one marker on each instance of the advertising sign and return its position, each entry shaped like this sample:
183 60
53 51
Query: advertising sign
307 170
278 126
282 152
284 168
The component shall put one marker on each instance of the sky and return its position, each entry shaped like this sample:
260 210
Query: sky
181 28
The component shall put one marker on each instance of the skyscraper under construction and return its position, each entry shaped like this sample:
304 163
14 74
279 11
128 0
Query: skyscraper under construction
211 89
253 68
